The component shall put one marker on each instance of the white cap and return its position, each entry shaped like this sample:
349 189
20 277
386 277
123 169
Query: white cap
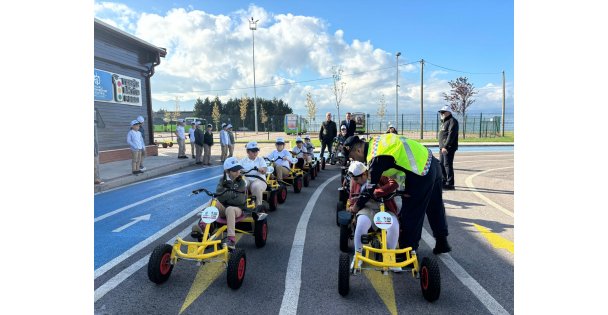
357 168
252 145
343 127
233 164
140 119
134 122
445 108
280 140
299 139
229 126
223 125
390 126
306 137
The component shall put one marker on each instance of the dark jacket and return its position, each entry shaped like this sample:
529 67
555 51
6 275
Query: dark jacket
232 198
350 128
448 134
208 138
386 185
198 137
328 131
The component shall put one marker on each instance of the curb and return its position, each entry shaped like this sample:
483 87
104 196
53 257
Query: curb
130 178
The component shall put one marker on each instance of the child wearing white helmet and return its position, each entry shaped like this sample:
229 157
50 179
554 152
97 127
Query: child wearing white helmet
299 152
365 211
281 158
136 144
309 147
256 179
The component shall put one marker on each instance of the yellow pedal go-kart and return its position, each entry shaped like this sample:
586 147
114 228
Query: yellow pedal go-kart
274 193
311 167
295 177
209 247
304 171
382 259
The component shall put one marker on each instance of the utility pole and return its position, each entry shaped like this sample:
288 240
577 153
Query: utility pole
397 95
503 103
421 99
253 27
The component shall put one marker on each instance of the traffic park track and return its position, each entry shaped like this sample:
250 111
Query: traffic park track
476 277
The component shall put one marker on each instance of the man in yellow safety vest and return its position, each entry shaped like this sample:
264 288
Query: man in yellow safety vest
394 155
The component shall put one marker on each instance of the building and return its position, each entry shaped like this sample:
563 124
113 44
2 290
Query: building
123 67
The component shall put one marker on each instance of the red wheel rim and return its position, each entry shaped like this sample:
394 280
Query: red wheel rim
165 266
299 184
283 194
264 231
424 276
241 269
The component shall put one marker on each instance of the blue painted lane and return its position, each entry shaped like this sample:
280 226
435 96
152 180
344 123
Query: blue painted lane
163 211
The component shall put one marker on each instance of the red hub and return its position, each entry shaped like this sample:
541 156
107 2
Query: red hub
241 269
165 265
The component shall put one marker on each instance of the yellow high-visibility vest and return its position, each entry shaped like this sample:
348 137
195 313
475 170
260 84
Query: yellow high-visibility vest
408 154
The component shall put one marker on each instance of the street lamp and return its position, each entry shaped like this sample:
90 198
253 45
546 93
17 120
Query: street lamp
253 27
397 95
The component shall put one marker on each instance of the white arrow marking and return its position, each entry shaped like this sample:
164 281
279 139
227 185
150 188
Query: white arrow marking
135 220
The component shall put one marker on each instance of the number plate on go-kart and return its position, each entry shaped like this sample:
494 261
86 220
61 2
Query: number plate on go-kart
383 220
210 214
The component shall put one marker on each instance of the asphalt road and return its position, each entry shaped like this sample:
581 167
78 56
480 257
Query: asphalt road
476 277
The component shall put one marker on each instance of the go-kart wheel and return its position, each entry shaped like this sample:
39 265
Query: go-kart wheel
339 207
323 163
306 180
343 195
312 172
430 279
273 201
159 264
282 193
345 233
318 167
297 184
235 272
260 231
344 274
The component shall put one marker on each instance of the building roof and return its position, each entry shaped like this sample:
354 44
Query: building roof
161 51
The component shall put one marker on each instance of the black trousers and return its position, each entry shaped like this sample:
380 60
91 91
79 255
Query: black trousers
328 144
447 167
425 198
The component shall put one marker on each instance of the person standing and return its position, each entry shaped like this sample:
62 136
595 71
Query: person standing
393 155
224 141
231 142
448 144
136 144
207 143
192 138
180 132
327 134
140 119
391 129
198 143
351 125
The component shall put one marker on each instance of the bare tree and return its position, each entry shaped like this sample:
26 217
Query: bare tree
460 98
243 108
177 113
311 107
339 87
215 114
381 109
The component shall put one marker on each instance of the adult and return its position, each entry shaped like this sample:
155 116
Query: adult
231 142
255 178
224 142
448 144
207 143
393 155
327 134
350 124
140 119
198 143
391 129
180 133
192 137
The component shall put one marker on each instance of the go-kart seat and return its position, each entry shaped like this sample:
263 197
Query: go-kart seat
238 219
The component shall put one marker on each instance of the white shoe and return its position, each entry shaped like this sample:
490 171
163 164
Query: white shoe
352 263
395 269
142 168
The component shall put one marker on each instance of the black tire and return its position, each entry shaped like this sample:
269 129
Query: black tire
260 231
306 180
318 166
344 274
237 264
323 163
297 184
282 193
159 264
339 207
430 279
345 233
313 173
273 200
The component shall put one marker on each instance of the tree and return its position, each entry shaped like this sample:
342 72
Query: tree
198 108
381 109
243 108
311 107
215 115
338 88
460 98
176 114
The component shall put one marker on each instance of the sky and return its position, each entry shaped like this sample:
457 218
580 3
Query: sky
209 50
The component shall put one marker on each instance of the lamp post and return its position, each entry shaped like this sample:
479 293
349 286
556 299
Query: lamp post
253 27
397 95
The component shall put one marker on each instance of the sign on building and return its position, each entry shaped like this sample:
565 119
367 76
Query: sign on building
117 88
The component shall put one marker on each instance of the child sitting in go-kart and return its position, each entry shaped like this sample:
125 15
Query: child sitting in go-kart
309 147
299 151
231 203
365 208
282 167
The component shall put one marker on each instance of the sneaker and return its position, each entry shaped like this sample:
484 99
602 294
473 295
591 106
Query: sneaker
441 246
262 216
395 269
230 243
198 163
141 168
449 187
136 172
352 263
98 182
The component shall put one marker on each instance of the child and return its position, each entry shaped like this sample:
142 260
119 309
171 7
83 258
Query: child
299 151
191 137
180 132
365 211
256 179
231 203
136 143
282 166
309 147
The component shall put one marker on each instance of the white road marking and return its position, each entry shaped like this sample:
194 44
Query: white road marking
109 265
469 182
293 278
109 214
127 272
482 295
133 221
